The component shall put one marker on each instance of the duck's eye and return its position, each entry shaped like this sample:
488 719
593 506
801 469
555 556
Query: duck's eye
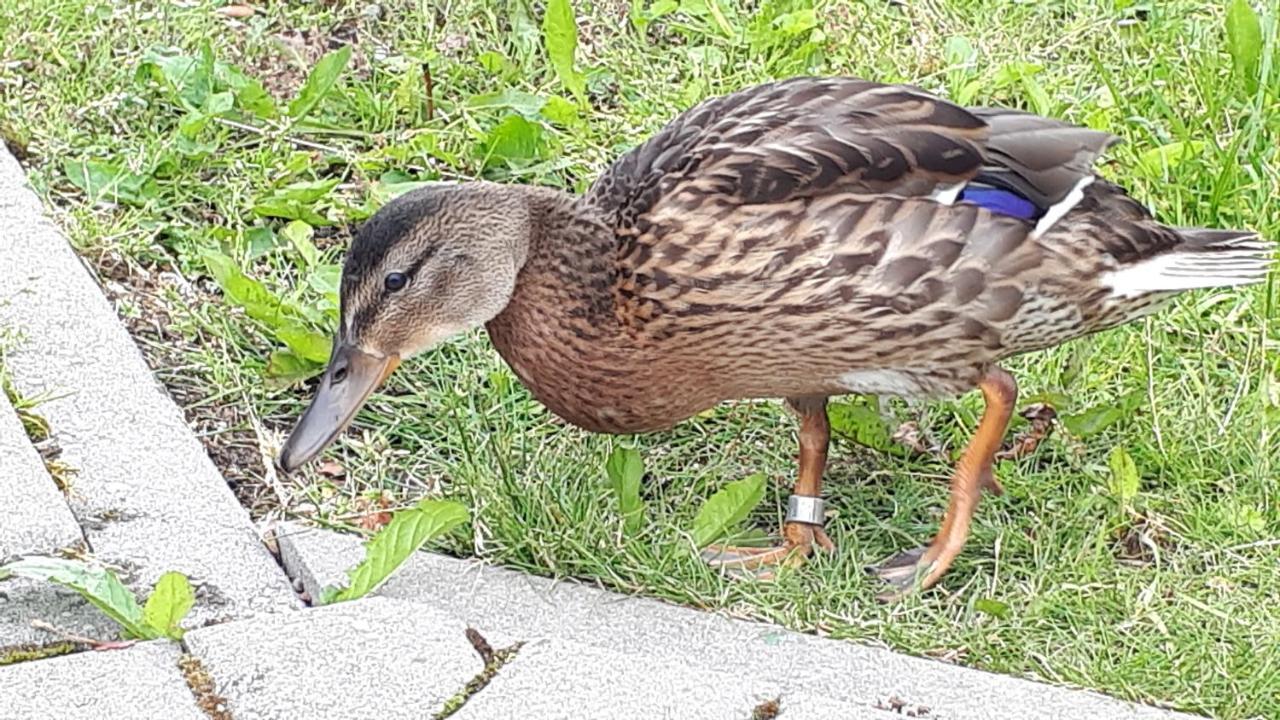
396 281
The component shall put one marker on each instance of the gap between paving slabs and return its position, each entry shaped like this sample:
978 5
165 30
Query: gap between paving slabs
146 496
140 468
505 605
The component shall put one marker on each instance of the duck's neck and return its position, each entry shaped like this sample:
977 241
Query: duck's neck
559 332
569 251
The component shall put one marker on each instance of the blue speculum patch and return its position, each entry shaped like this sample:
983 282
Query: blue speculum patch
1000 201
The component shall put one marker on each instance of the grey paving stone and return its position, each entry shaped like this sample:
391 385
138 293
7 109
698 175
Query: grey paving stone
22 601
554 680
517 605
138 682
373 658
34 517
145 493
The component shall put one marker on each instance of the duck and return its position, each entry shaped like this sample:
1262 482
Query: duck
798 240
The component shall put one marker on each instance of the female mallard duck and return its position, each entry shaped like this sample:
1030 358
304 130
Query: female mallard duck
797 240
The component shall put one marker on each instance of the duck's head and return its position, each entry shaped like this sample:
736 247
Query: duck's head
429 265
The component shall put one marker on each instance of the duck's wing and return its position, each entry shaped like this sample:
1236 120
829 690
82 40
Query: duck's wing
808 137
838 195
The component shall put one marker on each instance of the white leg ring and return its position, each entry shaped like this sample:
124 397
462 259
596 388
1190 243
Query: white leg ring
805 509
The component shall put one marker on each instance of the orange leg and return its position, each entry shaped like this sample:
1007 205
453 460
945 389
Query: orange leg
803 528
921 568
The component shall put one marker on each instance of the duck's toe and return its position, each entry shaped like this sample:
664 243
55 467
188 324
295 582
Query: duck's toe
903 573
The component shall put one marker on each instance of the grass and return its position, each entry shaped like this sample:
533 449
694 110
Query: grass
1161 592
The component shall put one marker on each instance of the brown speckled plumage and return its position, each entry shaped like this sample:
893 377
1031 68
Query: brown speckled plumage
798 240
769 242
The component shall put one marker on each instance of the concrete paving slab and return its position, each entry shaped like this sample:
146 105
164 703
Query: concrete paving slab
34 517
23 600
142 681
145 493
554 680
373 658
514 604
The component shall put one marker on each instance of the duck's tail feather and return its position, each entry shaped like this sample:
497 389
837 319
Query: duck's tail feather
1205 259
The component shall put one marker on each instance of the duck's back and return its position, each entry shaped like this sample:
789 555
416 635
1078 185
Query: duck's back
816 236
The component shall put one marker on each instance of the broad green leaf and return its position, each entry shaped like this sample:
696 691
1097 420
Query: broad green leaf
299 235
170 601
514 140
959 50
1247 517
561 112
104 180
219 103
495 63
1244 41
995 608
307 191
560 35
250 95
190 78
527 104
1092 421
307 344
408 531
259 240
728 507
408 96
289 210
94 583
863 425
319 82
392 185
326 279
625 468
524 31
1123 483
284 368
297 201
794 23
1158 161
259 302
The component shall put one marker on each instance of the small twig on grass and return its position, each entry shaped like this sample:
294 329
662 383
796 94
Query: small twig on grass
430 87
81 639
267 457
262 132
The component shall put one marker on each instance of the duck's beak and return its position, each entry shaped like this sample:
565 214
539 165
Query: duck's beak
352 374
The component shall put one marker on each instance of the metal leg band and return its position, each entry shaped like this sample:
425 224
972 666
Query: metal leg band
805 509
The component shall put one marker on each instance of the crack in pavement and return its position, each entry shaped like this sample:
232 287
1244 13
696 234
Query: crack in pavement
493 661
202 687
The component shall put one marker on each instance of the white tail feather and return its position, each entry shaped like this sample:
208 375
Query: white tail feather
1238 261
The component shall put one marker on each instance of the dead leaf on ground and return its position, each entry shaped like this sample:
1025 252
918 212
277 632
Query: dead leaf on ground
114 645
332 469
911 436
1041 417
373 512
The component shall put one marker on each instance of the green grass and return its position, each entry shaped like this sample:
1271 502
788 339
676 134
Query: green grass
1166 595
